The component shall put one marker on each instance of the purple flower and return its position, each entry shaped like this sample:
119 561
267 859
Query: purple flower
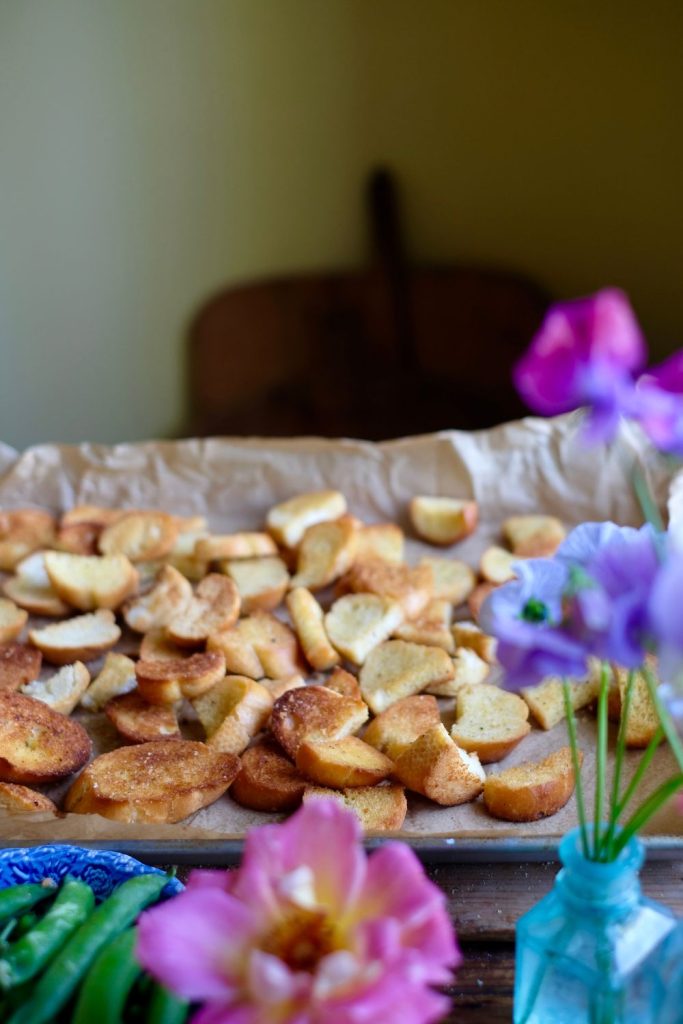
526 617
659 404
582 544
585 353
666 601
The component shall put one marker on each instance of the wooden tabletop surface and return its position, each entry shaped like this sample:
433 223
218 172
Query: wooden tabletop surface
485 901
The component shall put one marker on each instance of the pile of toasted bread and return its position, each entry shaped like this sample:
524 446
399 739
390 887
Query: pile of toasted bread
301 660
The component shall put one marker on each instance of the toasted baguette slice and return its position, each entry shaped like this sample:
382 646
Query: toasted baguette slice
258 645
141 536
534 536
325 553
531 791
18 665
314 713
357 623
38 744
546 701
214 607
16 799
643 721
23 531
276 687
395 729
234 545
469 635
490 722
477 598
436 767
12 621
345 683
454 581
412 589
496 565
267 780
116 678
262 582
80 639
288 521
307 619
89 582
443 521
79 538
398 669
138 721
183 558
381 540
233 712
343 763
91 514
468 670
156 646
431 628
378 808
165 682
31 588
163 781
63 690
169 598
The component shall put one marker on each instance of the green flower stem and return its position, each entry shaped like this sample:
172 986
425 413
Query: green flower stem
618 766
646 810
639 773
571 731
664 717
645 499
601 760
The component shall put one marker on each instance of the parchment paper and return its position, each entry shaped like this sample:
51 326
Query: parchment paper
530 466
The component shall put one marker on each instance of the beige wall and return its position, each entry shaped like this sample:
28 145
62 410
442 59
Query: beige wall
151 150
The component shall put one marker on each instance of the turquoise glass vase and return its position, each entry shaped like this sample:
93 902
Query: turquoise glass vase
594 950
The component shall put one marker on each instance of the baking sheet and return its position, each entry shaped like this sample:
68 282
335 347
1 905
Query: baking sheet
530 466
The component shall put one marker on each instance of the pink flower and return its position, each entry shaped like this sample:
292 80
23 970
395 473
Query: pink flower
585 354
309 930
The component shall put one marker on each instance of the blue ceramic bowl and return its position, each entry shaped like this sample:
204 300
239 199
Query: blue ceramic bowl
103 870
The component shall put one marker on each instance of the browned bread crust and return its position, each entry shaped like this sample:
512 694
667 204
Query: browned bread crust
214 607
531 791
393 730
341 763
38 744
378 808
18 665
165 682
16 799
314 713
138 721
267 780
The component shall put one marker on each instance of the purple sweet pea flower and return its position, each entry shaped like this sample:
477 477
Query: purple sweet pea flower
525 615
583 543
659 404
585 353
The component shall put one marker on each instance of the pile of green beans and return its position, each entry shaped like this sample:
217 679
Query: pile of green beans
75 963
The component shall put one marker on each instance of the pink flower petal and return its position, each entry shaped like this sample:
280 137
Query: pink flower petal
271 982
211 878
195 942
217 1014
391 999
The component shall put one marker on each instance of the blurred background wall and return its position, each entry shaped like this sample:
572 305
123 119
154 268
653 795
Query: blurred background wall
152 151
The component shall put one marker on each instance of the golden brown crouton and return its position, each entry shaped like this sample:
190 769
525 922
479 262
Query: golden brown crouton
314 713
307 619
436 767
531 791
38 744
378 808
267 780
342 763
165 682
443 521
490 722
395 729
398 669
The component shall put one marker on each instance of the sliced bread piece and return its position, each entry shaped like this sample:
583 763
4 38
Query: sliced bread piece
468 670
267 780
643 721
233 712
398 669
436 767
12 620
342 763
22 531
31 588
546 700
534 536
63 690
344 682
18 665
393 730
234 545
214 607
116 678
307 619
138 721
262 582
276 687
357 623
88 582
314 713
432 627
258 645
141 536
164 781
326 552
454 581
91 514
79 639
156 646
477 598
380 540
288 521
468 634
496 564
165 682
490 722
411 588
79 538
37 744
15 799
531 790
169 598
378 808
443 521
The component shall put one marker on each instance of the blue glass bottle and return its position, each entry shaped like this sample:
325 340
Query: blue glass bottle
593 951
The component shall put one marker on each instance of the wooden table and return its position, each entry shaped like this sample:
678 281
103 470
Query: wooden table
485 901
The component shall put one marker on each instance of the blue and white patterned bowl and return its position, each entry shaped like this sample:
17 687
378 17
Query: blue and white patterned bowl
103 870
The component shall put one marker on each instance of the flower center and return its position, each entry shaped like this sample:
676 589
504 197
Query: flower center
301 938
535 610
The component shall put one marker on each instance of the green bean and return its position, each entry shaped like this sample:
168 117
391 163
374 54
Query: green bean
19 898
56 986
107 986
25 923
33 951
165 1008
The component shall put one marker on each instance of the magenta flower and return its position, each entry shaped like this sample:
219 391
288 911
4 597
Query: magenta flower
586 353
659 404
309 930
